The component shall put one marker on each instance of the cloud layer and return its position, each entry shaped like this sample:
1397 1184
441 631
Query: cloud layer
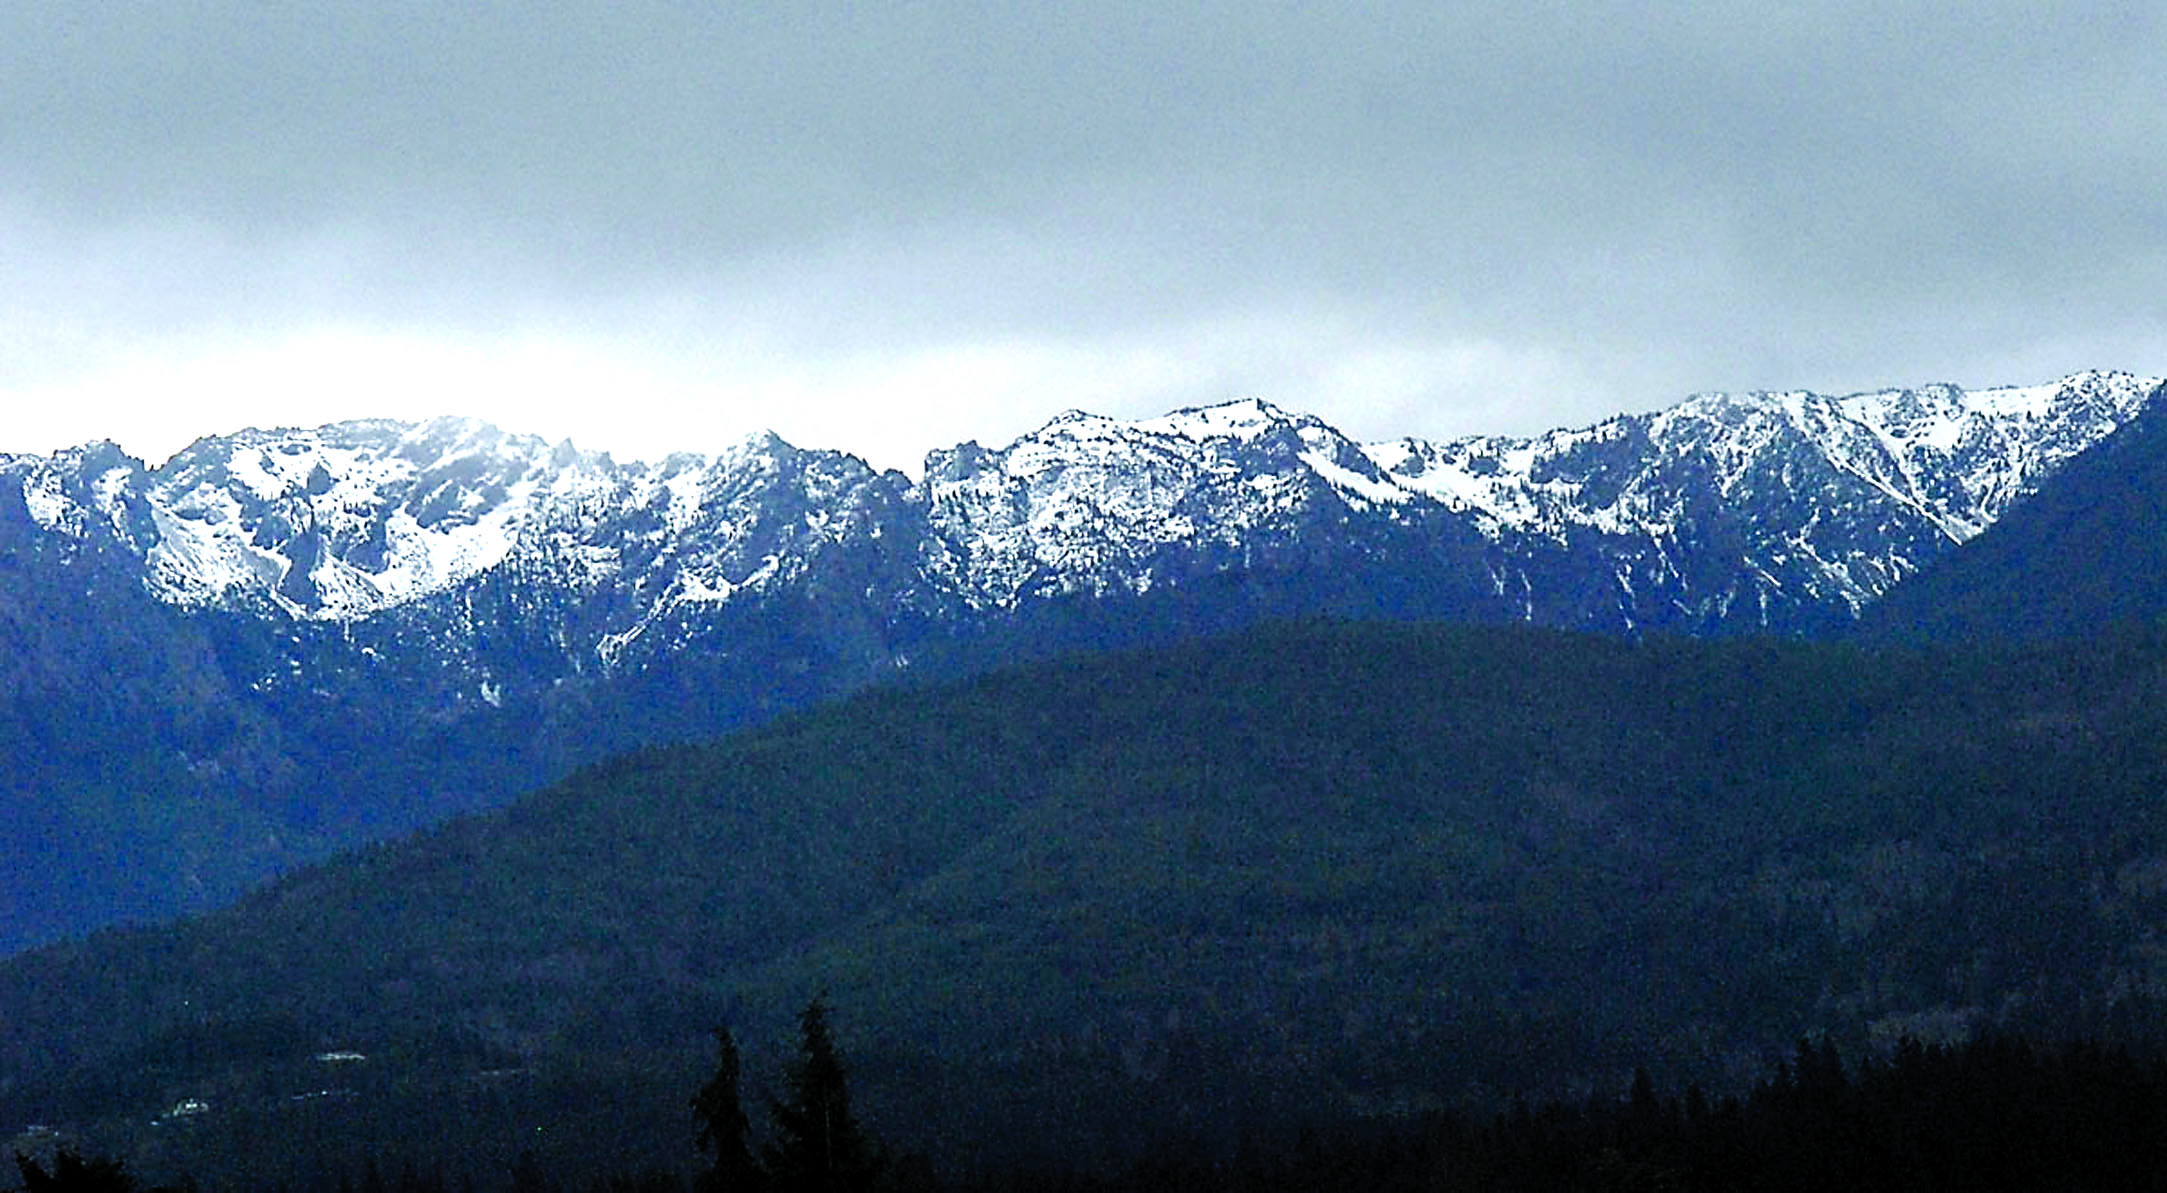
890 227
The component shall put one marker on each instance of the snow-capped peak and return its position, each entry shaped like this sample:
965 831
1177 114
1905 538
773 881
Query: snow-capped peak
1826 499
1243 421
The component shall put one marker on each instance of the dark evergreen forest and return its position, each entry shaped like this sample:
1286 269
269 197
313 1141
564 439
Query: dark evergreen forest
1313 903
1992 1113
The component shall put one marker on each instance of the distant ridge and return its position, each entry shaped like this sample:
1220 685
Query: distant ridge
1764 511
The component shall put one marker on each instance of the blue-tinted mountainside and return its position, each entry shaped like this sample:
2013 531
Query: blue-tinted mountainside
2087 553
279 642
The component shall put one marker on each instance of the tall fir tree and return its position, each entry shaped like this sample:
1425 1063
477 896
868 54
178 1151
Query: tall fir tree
724 1132
818 1146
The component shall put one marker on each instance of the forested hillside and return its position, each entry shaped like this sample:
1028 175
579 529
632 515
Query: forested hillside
1313 870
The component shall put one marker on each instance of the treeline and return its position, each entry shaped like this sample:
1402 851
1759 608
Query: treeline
1996 1112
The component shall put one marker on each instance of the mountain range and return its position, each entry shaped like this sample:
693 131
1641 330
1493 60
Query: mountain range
1766 511
280 642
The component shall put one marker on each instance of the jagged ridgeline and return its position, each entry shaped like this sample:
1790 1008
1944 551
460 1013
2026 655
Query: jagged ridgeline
1314 869
282 642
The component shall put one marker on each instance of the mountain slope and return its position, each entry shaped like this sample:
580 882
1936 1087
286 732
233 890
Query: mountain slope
1311 869
2085 555
280 642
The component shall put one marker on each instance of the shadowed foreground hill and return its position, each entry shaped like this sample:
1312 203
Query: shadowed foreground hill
1303 872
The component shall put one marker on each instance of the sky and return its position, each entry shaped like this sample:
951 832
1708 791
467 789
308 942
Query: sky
887 228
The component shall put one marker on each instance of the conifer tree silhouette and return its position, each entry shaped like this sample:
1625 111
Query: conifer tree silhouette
74 1174
818 1146
723 1129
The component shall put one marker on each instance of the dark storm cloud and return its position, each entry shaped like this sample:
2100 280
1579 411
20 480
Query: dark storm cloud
1654 198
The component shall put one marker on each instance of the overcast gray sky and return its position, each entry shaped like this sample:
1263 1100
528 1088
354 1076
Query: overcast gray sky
890 227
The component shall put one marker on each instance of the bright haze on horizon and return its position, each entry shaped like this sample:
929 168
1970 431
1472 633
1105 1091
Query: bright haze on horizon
885 228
